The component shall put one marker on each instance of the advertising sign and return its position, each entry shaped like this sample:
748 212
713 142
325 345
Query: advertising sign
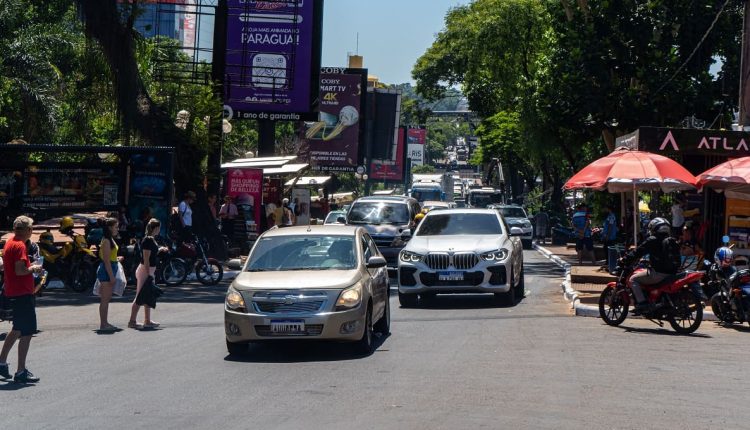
61 186
301 205
333 142
150 187
415 138
245 185
272 58
390 170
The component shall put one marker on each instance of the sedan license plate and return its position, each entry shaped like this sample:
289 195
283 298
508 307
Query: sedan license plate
450 276
287 326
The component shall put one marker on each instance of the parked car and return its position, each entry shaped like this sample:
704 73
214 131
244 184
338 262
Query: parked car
388 219
462 251
333 217
309 282
516 216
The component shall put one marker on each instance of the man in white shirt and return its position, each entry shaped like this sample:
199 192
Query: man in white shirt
186 215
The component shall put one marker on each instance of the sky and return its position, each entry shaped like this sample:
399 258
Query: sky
393 34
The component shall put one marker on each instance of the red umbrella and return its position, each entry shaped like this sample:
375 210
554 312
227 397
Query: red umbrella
625 170
733 175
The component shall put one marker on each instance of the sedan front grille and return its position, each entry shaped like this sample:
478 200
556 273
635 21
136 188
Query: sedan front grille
310 330
437 261
288 303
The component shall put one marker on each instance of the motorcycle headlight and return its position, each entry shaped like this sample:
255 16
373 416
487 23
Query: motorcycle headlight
409 257
349 298
498 255
234 300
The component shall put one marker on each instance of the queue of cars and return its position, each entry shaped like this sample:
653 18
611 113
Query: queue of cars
331 282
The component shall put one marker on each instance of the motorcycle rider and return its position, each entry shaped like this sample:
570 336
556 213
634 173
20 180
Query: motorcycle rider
664 257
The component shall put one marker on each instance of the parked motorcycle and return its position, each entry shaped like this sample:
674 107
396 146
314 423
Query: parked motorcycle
676 300
74 263
732 302
193 255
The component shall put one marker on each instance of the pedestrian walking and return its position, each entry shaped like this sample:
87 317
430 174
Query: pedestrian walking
227 214
185 212
584 241
106 273
146 269
19 290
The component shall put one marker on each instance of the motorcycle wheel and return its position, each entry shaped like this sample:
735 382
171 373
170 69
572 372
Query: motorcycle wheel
82 280
174 272
209 275
613 309
687 314
720 308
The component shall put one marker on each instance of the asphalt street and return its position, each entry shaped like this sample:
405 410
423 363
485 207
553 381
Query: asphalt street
458 362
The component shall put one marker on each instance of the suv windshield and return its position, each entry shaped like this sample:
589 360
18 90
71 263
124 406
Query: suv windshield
278 253
512 212
459 223
379 213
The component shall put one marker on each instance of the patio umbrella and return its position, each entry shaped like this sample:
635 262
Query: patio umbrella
625 170
732 176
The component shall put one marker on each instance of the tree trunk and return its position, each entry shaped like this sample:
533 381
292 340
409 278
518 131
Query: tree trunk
139 112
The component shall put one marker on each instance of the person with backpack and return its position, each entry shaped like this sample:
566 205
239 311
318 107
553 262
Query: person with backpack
664 257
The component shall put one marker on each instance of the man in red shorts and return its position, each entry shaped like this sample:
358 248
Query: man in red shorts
19 289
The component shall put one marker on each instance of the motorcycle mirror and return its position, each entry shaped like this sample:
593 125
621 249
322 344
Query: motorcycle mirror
706 262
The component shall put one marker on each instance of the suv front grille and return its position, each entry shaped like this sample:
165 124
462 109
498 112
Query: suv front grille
461 261
465 261
437 261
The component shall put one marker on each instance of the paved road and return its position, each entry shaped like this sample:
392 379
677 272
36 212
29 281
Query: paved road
459 363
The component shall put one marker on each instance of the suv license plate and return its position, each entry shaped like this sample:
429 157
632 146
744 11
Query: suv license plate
288 326
450 276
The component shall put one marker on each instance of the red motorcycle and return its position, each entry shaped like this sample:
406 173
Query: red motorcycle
677 299
193 254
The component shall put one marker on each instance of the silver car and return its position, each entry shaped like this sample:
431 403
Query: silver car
309 282
516 216
461 251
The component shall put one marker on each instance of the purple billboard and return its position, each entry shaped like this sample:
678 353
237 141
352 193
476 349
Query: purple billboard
332 143
272 58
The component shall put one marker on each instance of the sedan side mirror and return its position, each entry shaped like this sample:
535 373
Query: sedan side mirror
376 262
341 220
234 264
406 234
516 231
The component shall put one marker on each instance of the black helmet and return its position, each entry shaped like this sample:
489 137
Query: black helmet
659 226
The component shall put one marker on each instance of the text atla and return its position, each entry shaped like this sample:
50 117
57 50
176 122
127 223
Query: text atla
711 143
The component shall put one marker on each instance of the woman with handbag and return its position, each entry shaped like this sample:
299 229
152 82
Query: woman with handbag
106 273
146 270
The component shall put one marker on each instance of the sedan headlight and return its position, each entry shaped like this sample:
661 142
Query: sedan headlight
409 257
498 255
234 300
349 298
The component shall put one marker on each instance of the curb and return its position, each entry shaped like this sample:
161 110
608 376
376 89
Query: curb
571 294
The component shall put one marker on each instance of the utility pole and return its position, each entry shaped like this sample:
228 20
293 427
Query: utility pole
744 100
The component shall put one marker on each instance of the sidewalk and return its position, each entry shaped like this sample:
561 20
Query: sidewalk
583 284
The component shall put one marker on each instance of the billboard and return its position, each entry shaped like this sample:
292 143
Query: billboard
390 170
71 187
415 139
272 58
333 142
245 185
150 187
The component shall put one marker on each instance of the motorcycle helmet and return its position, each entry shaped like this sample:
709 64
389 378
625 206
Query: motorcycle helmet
46 238
659 226
724 256
66 224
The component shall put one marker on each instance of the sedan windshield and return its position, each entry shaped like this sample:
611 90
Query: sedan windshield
379 213
459 223
280 253
513 212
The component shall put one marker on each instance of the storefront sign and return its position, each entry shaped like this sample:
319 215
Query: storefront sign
688 141
333 142
272 58
245 185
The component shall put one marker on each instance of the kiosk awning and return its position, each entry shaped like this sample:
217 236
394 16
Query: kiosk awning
308 180
286 169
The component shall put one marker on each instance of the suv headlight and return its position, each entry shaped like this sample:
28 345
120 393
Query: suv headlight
409 257
498 255
349 298
234 300
527 224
